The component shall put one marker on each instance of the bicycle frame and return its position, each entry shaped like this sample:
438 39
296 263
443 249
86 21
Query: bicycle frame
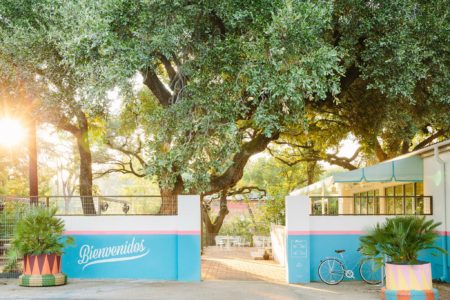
348 272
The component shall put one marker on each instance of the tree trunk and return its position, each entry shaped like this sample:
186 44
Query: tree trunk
310 170
84 149
379 152
169 202
213 227
32 164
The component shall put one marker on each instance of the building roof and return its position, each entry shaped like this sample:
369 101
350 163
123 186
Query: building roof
404 168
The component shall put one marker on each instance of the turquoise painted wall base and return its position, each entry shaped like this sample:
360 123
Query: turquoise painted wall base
134 256
409 295
305 251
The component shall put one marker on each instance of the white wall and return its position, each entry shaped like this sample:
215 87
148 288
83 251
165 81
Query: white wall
278 238
188 219
434 186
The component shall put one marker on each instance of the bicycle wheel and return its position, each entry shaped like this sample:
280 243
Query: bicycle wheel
331 271
370 272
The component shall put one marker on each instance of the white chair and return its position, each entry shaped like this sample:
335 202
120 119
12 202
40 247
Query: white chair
242 242
219 241
257 241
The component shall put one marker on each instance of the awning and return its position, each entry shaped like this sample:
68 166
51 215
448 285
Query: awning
408 169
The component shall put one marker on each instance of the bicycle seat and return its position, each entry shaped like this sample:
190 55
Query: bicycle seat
339 251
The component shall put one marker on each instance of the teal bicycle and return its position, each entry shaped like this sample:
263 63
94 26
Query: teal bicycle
332 270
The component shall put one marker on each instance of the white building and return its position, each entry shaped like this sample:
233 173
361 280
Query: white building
333 213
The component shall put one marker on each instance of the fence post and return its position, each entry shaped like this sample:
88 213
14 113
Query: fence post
298 239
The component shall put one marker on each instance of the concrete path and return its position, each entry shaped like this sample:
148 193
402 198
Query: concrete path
207 290
237 264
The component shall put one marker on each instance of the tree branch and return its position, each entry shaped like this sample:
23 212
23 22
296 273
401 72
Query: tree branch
129 153
429 139
380 154
157 87
236 170
169 68
122 168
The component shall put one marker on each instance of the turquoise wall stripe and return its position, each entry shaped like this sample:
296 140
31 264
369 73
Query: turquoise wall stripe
189 261
151 257
299 258
321 246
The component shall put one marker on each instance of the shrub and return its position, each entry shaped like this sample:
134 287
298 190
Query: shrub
39 232
401 238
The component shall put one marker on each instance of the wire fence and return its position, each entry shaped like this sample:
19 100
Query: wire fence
101 205
11 211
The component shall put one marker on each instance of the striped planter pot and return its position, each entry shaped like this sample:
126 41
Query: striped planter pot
44 264
43 280
409 295
408 277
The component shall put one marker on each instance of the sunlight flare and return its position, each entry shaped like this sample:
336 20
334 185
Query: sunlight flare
12 132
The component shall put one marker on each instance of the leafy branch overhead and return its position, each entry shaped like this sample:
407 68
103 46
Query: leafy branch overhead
224 80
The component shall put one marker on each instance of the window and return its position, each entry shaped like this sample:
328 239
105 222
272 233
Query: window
356 205
366 203
420 202
316 207
409 201
363 203
373 205
406 199
398 191
403 199
400 199
389 201
333 206
324 206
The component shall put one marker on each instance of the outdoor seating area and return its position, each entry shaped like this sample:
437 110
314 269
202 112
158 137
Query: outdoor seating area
261 245
225 241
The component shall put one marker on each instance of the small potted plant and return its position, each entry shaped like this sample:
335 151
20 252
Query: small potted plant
39 240
266 255
402 239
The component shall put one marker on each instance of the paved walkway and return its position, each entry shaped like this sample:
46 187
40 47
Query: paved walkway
237 264
207 290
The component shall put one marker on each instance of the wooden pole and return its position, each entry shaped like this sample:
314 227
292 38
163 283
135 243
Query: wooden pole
32 164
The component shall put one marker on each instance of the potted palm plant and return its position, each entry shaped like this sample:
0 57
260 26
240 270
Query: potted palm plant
39 240
402 239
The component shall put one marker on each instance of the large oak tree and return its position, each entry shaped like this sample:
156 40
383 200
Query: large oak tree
230 77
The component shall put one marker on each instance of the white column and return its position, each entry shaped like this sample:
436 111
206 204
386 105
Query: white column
298 239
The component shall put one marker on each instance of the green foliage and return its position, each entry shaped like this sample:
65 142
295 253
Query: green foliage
401 238
12 264
278 180
40 232
312 71
244 227
238 227
274 211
